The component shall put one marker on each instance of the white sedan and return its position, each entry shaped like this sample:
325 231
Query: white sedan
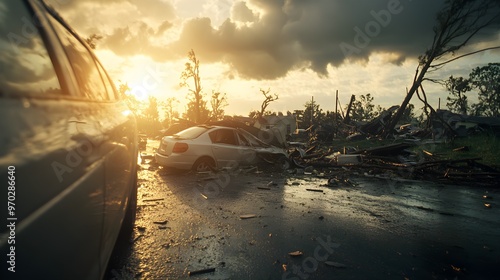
203 148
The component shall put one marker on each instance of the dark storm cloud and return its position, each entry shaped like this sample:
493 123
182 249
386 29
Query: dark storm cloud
294 34
148 8
95 16
284 35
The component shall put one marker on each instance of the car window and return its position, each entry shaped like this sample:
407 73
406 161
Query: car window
223 136
25 65
243 140
191 133
108 83
254 141
83 64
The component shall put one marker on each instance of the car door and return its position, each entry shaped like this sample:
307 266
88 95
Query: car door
225 147
51 143
121 150
246 149
111 128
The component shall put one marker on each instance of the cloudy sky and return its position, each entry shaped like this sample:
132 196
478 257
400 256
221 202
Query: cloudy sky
295 48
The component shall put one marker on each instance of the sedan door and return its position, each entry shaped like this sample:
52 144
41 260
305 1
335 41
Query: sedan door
226 148
247 149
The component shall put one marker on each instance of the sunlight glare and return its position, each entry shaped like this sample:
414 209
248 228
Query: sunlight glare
140 93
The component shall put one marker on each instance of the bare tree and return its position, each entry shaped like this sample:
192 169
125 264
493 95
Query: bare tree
218 102
268 98
170 112
457 23
192 70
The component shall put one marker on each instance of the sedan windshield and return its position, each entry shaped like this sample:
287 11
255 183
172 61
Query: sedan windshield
191 133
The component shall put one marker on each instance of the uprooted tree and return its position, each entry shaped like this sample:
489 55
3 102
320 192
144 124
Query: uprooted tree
457 23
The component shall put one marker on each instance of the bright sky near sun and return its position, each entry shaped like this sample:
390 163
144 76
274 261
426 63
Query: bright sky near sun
295 48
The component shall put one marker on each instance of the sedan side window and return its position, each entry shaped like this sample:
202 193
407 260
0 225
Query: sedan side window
25 65
223 136
243 140
84 66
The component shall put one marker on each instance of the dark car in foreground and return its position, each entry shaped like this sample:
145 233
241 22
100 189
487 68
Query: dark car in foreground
68 151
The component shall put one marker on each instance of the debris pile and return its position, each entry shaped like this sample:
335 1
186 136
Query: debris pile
394 161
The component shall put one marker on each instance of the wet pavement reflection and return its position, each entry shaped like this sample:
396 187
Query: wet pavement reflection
272 225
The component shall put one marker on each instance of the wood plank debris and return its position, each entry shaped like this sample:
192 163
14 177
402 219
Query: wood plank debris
314 190
247 216
201 271
152 199
295 253
335 264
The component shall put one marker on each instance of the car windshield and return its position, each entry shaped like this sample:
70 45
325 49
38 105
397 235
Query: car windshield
191 133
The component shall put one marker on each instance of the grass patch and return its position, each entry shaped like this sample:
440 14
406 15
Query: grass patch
484 146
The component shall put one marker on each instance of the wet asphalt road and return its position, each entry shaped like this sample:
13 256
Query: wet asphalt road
367 229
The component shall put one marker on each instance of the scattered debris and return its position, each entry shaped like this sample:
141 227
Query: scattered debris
164 222
272 183
141 228
314 190
247 216
146 156
201 271
136 238
461 149
152 199
349 159
456 268
335 264
295 253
